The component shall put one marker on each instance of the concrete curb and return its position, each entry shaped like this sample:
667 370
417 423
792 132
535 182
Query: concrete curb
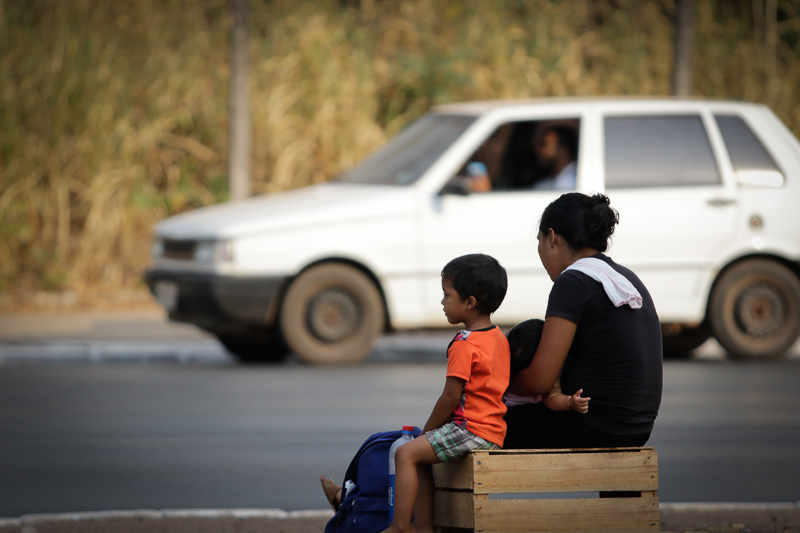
728 506
280 514
150 514
72 351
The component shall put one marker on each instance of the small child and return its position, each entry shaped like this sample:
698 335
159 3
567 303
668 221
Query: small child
523 339
469 413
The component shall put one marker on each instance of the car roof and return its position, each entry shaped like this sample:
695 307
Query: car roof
480 107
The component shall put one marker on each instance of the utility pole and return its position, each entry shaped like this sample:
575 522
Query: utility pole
684 48
239 106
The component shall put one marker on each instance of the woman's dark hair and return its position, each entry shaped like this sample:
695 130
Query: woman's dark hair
583 221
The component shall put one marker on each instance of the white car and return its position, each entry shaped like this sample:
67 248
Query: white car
708 194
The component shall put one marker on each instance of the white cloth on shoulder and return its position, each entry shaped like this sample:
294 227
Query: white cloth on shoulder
618 288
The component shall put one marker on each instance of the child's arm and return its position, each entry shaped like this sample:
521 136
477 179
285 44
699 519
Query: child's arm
446 403
558 401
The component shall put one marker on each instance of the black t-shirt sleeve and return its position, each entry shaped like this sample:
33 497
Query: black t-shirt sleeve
568 298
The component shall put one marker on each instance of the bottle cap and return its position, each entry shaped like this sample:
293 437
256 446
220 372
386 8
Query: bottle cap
408 428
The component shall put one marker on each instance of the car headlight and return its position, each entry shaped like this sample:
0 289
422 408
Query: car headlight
213 251
157 248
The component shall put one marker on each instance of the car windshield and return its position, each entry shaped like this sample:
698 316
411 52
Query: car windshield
406 157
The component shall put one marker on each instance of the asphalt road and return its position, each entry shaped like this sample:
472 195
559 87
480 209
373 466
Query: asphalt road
147 433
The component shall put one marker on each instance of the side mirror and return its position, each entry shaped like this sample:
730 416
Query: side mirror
760 178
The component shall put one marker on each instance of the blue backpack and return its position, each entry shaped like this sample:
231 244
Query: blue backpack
365 507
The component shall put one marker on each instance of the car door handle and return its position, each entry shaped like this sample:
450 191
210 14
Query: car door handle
720 202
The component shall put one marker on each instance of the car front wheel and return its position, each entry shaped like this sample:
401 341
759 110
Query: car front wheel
754 309
332 314
255 349
679 340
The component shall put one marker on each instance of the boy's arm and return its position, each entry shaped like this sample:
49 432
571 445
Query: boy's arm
556 400
446 403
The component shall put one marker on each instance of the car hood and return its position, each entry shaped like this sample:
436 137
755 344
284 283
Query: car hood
328 203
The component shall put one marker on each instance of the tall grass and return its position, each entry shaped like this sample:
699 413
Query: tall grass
107 111
113 115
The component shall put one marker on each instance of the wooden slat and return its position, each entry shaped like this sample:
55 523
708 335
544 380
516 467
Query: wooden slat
456 475
453 509
624 514
558 451
459 475
604 471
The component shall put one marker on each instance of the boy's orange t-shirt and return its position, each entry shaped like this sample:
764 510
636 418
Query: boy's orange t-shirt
483 360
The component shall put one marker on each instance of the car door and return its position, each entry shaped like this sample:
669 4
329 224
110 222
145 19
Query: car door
502 223
676 199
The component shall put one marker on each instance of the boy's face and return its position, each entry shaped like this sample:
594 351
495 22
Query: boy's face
454 307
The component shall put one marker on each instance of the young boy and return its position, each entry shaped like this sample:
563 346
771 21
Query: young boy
469 413
523 339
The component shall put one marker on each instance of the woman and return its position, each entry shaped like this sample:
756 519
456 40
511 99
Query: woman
601 334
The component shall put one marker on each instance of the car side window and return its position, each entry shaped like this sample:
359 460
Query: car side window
525 155
746 150
658 151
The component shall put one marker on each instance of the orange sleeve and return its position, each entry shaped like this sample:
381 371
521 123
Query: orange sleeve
459 360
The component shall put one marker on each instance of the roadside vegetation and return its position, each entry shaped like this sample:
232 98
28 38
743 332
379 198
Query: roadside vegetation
114 115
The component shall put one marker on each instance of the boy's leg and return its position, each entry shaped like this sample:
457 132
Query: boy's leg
423 511
409 459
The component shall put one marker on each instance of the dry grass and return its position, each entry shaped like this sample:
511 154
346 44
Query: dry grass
113 115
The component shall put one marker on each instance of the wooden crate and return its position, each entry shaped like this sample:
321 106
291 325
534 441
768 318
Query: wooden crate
607 489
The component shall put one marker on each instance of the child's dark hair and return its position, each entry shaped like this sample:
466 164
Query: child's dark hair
523 339
480 276
583 221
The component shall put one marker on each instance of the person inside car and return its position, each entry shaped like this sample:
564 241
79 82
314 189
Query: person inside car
556 151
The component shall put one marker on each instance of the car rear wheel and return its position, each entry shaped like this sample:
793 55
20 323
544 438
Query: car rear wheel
332 314
254 348
754 309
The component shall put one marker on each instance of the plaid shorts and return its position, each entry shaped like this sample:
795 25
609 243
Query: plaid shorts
451 442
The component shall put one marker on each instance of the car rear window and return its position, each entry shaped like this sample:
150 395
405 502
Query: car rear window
658 151
746 150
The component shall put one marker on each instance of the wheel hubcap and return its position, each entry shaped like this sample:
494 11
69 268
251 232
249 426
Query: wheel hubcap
333 315
759 311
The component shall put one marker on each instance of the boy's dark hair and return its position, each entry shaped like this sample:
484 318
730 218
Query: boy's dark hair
478 275
523 339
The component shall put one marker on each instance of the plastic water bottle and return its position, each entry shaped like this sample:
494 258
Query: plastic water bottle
407 436
476 168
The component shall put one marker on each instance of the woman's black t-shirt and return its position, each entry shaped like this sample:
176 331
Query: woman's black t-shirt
616 356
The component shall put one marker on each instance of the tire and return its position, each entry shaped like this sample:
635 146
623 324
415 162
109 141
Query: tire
680 340
332 314
255 349
754 309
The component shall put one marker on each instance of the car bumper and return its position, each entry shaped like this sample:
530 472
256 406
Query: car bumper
221 304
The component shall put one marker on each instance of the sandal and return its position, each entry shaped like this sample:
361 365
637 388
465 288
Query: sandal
332 492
